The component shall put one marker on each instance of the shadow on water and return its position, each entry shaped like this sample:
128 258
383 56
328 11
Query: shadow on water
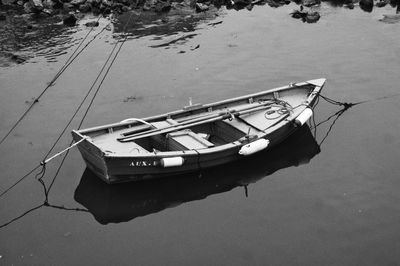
159 26
124 202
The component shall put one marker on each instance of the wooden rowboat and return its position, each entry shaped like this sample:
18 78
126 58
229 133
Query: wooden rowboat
197 136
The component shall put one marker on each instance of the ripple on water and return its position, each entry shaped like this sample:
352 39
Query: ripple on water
22 40
166 30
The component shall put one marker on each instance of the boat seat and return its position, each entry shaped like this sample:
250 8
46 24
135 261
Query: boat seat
187 140
242 126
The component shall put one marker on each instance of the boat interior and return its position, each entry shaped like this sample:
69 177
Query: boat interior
198 135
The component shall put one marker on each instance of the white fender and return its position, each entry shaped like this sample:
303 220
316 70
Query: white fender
172 161
303 117
254 147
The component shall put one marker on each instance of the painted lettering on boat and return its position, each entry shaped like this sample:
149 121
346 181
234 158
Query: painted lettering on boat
143 163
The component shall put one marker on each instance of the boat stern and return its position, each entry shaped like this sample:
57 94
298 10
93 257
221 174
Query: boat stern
92 155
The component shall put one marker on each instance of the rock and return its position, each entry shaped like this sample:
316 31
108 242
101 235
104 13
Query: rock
48 11
17 59
28 8
106 10
381 3
309 3
162 6
106 3
48 3
70 20
36 5
239 4
201 7
77 2
274 4
96 11
92 24
126 8
312 17
298 14
367 5
146 7
26 17
52 4
117 7
3 16
94 2
84 8
309 17
68 6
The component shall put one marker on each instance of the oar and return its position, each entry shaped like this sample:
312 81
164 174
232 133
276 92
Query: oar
185 120
179 127
194 120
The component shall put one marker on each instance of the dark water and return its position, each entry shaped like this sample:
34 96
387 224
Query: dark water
308 205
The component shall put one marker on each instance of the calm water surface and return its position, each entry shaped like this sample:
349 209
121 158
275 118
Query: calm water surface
340 205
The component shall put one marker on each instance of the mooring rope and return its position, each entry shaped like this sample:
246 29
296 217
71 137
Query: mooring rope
334 102
336 116
61 152
42 164
96 92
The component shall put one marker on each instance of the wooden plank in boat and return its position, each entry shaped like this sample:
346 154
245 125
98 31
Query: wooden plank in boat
187 140
265 119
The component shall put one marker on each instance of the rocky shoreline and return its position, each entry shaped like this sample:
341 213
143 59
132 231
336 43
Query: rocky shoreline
67 10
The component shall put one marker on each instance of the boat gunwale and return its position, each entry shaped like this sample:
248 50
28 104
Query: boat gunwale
202 106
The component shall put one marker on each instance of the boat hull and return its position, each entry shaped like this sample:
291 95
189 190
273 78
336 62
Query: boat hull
124 169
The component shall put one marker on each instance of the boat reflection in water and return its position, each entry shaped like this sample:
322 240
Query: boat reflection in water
123 202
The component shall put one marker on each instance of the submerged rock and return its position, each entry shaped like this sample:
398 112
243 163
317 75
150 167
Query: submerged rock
239 4
85 8
349 5
68 6
381 3
13 57
37 5
305 16
309 3
92 24
28 8
201 7
70 20
367 5
312 17
299 14
162 6
77 2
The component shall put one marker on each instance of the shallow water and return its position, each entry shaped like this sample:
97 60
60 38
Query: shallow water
342 207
